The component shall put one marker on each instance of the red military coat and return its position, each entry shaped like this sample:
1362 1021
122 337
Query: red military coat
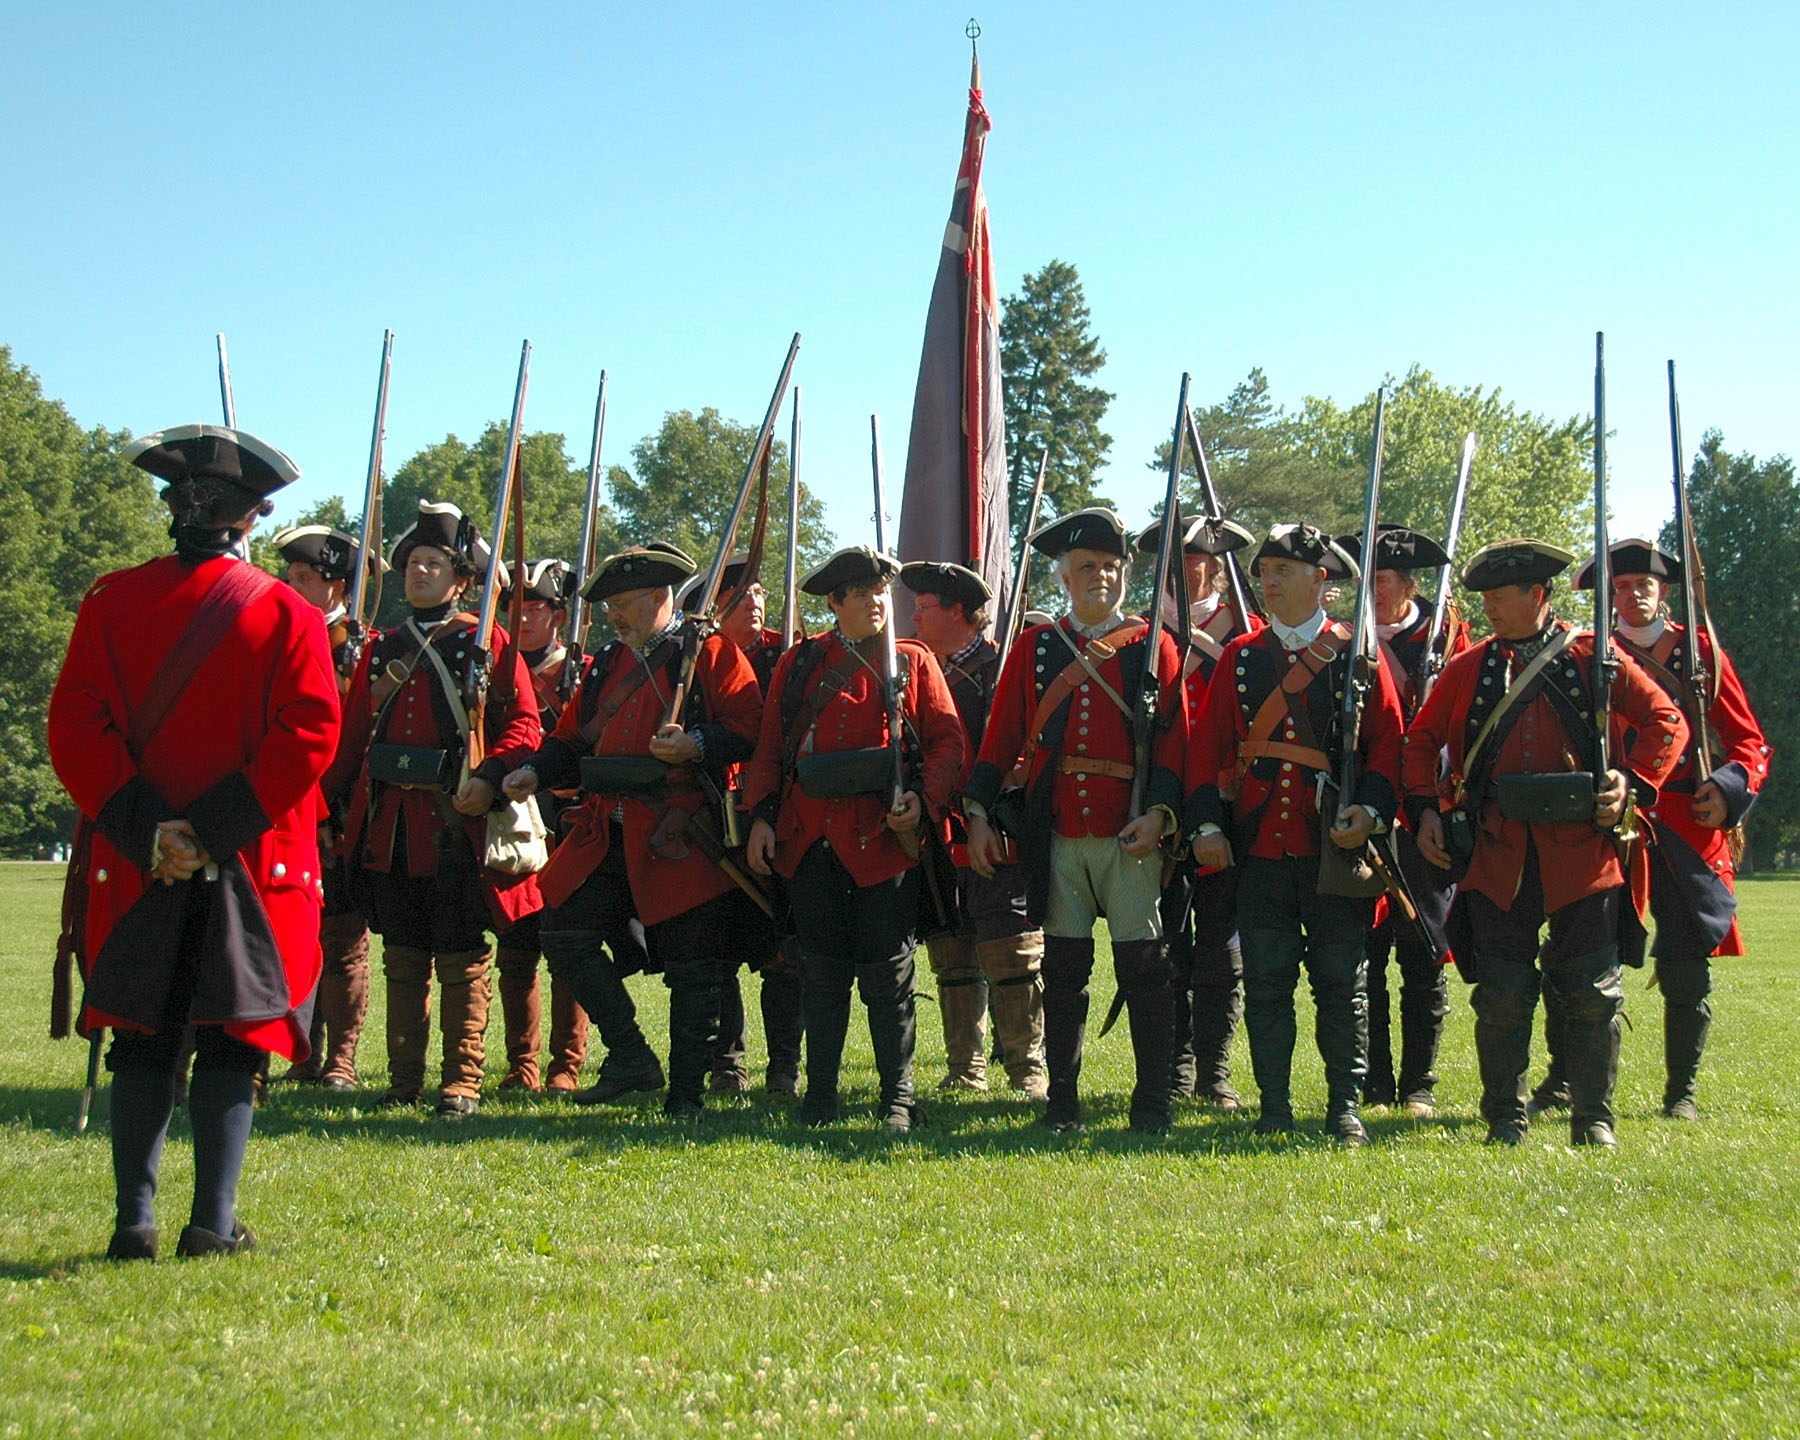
1085 748
1741 764
724 705
1274 797
855 719
421 714
1575 860
239 754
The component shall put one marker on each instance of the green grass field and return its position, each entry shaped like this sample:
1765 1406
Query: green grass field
547 1271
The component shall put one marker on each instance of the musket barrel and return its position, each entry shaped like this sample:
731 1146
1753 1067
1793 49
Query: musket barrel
490 592
1168 546
1015 603
359 586
1234 572
1603 661
1437 643
585 558
1361 673
226 403
790 574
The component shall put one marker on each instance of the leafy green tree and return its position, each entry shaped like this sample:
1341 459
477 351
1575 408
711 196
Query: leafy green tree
1048 354
71 510
1746 515
683 482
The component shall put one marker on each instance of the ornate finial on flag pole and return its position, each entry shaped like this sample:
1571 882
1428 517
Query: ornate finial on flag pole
973 31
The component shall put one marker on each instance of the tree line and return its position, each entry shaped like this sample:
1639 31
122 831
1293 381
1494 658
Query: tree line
71 509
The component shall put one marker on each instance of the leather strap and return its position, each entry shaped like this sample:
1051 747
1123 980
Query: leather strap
1083 765
593 729
212 618
1060 688
1519 690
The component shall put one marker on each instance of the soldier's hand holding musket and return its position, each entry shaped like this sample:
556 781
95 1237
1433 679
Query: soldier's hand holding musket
759 850
1709 809
1609 801
474 796
1140 837
1352 828
907 812
1212 850
177 854
674 746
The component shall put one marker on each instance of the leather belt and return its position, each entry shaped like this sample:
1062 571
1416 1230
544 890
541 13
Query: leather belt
1081 765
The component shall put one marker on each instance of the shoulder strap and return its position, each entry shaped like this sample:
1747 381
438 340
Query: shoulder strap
813 703
218 608
1524 686
613 700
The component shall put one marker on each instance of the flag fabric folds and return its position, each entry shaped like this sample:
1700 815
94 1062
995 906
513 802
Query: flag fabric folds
954 505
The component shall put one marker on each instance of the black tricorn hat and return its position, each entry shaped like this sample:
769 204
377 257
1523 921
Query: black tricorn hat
1204 536
213 452
1397 548
1634 557
1515 562
854 565
444 526
331 552
547 580
953 584
1095 528
735 565
1309 544
639 567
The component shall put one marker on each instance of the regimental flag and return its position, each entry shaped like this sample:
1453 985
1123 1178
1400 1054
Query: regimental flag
954 506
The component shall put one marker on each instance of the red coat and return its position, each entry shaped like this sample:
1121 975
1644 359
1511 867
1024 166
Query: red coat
239 754
1095 801
855 719
724 705
1741 762
1575 860
1275 809
420 715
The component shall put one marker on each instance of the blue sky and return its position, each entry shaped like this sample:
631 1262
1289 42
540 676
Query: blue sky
1332 192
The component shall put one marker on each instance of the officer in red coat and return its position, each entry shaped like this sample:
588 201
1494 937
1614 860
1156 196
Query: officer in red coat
743 608
1402 626
191 722
320 564
1199 908
994 959
821 786
1266 749
1691 851
543 616
645 843
1063 710
415 817
1520 807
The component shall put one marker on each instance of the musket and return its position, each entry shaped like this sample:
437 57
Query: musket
225 401
791 628
1606 663
370 542
1241 600
1168 548
1437 638
1361 673
585 558
1015 603
706 597
890 657
1701 685
481 659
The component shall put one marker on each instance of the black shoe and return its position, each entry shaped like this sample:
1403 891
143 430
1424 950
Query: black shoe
195 1241
457 1107
1682 1109
783 1080
899 1118
729 1082
1223 1099
1506 1133
826 1112
132 1242
610 1089
683 1109
1063 1124
1151 1125
1545 1099
1378 1093
1347 1130
338 1085
392 1099
1274 1122
1595 1132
